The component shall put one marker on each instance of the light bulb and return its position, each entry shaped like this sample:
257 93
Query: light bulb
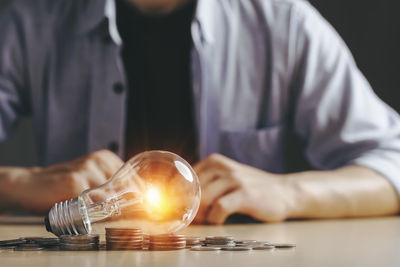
156 191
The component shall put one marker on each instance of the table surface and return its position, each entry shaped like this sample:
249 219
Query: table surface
352 242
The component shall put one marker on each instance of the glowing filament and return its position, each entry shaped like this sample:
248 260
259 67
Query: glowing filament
153 197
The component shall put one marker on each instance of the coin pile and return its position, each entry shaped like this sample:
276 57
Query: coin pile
220 241
192 241
134 239
167 242
212 243
79 242
124 239
30 244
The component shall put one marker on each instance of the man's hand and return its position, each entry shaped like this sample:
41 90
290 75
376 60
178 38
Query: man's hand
230 187
42 187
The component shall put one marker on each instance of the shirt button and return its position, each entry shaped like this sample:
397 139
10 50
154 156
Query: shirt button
113 146
118 88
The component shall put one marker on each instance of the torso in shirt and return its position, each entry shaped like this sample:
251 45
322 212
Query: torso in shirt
156 55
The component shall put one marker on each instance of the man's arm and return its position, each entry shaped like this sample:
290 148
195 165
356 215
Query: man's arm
351 191
230 187
11 181
37 189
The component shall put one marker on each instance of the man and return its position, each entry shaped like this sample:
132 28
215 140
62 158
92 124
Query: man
104 75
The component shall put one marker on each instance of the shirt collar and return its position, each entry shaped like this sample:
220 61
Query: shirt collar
95 11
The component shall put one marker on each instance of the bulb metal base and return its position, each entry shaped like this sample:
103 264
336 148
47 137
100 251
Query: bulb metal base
64 218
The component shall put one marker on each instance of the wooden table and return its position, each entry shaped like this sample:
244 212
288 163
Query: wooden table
356 242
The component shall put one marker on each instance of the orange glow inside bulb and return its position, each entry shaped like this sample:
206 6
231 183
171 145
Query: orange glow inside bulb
153 197
156 204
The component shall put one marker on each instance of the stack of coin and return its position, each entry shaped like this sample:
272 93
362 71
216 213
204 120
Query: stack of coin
146 242
45 242
220 241
192 241
167 242
124 238
79 242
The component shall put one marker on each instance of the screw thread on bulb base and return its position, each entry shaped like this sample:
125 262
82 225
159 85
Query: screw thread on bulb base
64 218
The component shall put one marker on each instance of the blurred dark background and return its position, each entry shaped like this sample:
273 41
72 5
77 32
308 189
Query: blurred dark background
370 28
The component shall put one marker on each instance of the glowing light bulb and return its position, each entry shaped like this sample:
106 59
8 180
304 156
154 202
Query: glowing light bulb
156 191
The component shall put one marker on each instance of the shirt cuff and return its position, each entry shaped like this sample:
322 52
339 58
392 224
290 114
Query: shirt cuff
386 165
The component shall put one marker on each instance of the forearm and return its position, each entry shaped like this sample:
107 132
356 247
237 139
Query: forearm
12 179
351 191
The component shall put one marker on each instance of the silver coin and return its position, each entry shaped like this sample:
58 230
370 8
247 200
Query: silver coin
79 238
12 242
245 241
237 248
28 248
55 248
200 248
253 244
221 246
8 248
220 238
78 249
77 245
283 245
265 247
29 245
48 242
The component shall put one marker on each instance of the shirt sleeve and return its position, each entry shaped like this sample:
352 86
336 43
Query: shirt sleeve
13 96
336 112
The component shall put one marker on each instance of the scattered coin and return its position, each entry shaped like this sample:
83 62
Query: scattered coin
283 245
264 247
79 238
246 241
237 248
134 239
12 242
79 242
8 248
201 248
21 248
220 238
48 242
221 245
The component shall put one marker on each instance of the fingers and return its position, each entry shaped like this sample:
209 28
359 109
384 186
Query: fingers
215 175
225 206
214 190
107 161
213 162
94 175
213 167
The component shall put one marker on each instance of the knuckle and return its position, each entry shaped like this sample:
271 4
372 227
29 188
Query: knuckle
215 157
86 164
100 154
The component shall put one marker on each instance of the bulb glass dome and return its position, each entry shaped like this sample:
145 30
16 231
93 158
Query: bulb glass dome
156 191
